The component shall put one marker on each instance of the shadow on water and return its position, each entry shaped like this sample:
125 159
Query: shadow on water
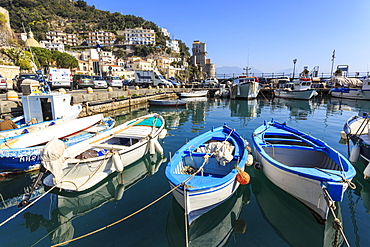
290 219
71 205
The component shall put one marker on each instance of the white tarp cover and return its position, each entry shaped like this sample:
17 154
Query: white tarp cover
346 82
223 151
52 157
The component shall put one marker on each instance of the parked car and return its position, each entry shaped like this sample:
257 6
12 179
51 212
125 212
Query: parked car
19 79
128 82
99 82
82 81
3 84
113 81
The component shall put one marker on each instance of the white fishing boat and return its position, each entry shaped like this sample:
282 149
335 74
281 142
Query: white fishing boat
297 89
41 111
351 88
193 94
302 165
245 87
87 163
357 129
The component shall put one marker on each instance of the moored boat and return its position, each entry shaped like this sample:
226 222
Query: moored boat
41 111
245 87
177 102
82 166
351 88
302 165
23 153
297 89
357 129
203 172
202 93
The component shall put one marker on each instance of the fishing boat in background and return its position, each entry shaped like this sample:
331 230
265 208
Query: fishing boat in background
176 102
41 111
302 165
193 94
297 89
350 88
357 129
22 154
245 87
207 170
82 166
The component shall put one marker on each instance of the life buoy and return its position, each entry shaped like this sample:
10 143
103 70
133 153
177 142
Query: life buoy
118 164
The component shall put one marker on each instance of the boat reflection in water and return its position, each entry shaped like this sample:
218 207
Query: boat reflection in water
299 109
174 115
243 108
290 218
71 205
214 228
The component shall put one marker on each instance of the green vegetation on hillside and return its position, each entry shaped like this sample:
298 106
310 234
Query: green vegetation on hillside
76 17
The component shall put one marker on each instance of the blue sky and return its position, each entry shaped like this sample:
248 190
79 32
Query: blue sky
264 34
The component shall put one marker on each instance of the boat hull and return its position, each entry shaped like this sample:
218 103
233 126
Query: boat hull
286 94
245 91
194 94
351 93
167 102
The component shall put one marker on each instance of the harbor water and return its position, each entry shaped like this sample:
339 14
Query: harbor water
258 214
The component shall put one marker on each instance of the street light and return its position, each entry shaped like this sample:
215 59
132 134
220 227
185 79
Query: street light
294 62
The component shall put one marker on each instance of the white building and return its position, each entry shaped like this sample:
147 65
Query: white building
52 46
139 36
173 45
60 37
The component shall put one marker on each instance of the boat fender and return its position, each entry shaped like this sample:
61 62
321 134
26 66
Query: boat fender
118 164
52 123
355 153
257 166
249 160
343 135
119 192
151 146
162 134
158 147
25 131
359 92
242 177
367 171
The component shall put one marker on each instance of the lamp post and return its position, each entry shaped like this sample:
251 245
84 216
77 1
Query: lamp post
294 62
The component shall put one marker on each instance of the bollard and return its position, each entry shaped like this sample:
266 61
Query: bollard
150 87
109 89
137 88
89 90
12 95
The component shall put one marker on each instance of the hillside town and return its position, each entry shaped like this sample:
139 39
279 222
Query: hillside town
94 53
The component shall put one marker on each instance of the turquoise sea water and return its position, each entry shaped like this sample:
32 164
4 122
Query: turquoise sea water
259 214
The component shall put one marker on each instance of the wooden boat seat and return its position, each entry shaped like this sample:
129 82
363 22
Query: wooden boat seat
109 146
135 132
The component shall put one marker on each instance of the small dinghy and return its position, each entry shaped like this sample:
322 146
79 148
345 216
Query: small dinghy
202 93
302 165
176 102
204 171
82 166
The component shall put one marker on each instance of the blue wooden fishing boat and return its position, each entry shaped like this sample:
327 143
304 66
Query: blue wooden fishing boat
23 153
302 165
203 171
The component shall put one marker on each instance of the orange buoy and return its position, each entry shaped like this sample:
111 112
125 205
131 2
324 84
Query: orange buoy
242 177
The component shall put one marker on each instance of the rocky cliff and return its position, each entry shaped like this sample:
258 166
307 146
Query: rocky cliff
6 34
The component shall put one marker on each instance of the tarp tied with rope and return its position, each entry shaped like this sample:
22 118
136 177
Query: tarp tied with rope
222 151
52 157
